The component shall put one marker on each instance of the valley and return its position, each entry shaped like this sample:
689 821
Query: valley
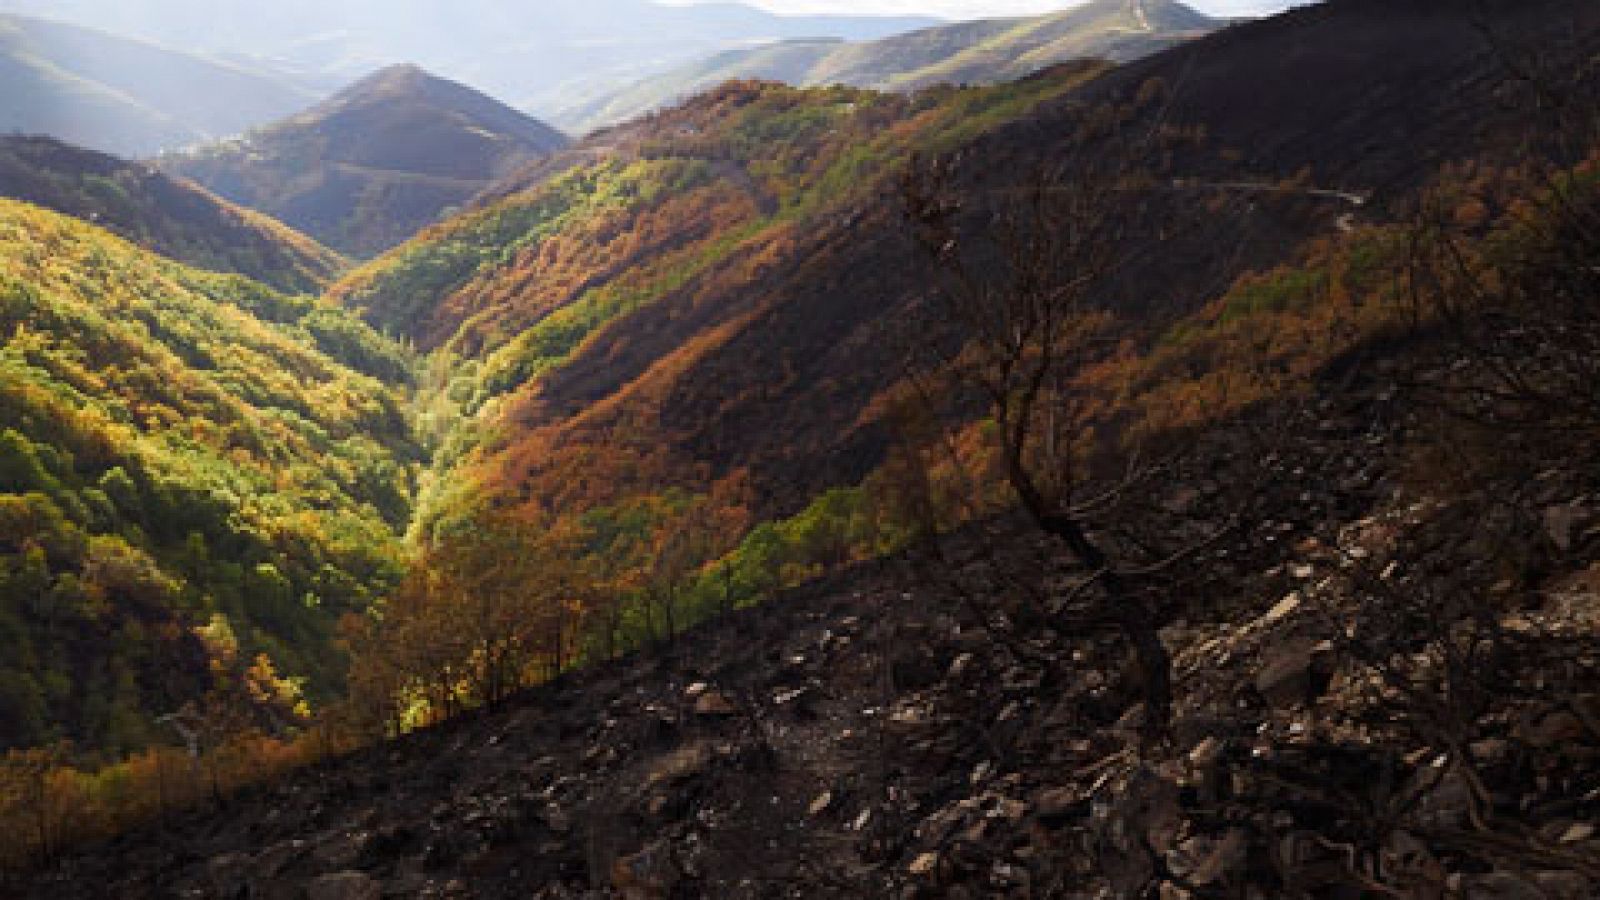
1111 454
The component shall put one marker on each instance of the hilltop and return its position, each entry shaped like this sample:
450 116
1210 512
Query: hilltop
368 167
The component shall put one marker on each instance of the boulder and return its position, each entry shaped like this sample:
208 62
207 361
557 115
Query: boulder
344 886
714 705
649 874
1294 672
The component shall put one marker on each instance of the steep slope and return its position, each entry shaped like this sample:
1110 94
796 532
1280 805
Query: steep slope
171 217
194 470
875 734
367 168
979 52
672 305
534 57
633 260
126 96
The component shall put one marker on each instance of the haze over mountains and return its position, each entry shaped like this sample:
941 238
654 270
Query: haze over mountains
532 56
128 96
978 52
375 163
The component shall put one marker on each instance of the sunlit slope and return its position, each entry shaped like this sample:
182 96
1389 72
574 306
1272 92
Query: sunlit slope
177 449
729 245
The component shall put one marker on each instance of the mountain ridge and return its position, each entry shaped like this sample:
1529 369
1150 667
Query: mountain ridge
373 164
979 51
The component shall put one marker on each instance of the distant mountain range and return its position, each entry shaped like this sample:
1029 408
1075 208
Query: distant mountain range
125 96
540 56
370 166
980 52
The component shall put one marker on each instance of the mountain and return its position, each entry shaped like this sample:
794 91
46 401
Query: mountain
169 216
371 165
126 96
650 302
668 376
978 52
536 57
195 470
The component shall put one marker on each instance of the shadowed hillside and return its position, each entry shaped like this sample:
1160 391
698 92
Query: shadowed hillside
365 169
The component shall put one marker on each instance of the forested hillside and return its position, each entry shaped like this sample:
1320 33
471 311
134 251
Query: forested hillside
722 301
197 473
169 216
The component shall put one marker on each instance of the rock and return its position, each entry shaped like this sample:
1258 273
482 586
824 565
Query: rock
1204 860
1562 522
1206 753
1281 609
648 874
924 864
344 886
694 691
342 851
1495 886
713 705
226 873
1057 807
821 804
1578 831
1564 885
959 667
1556 729
681 765
1449 801
1294 672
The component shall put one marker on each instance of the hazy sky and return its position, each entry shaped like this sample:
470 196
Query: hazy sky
970 9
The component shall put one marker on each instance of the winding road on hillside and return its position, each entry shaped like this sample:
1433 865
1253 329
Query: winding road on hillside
1345 223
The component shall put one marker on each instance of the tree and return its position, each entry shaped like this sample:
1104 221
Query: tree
1027 278
492 606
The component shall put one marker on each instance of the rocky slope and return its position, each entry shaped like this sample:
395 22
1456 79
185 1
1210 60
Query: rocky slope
372 165
914 729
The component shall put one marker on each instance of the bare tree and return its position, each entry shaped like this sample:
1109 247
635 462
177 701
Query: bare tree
1027 277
